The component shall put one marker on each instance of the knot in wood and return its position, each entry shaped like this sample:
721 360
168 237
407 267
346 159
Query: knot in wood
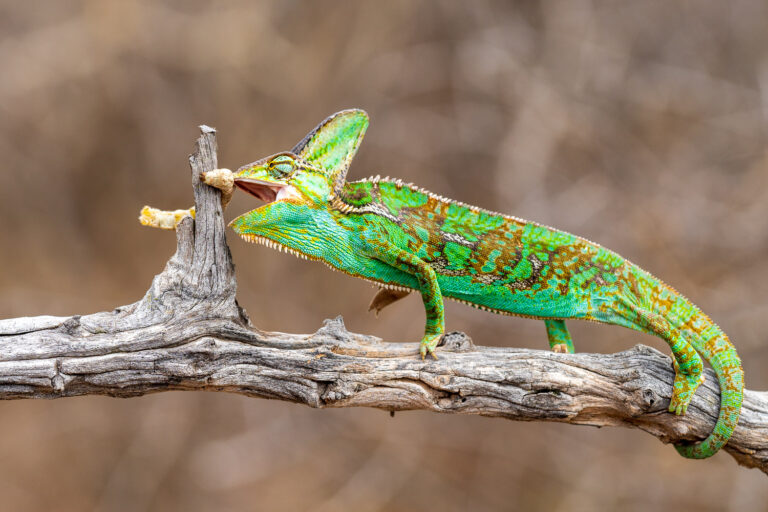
457 341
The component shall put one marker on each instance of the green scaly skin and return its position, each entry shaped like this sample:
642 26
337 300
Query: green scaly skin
407 239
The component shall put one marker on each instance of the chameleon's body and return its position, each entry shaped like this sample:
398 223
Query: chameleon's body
405 238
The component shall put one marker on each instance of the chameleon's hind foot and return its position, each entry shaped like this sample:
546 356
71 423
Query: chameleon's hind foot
559 337
683 389
428 345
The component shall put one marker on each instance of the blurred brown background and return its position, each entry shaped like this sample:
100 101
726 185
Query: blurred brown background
640 125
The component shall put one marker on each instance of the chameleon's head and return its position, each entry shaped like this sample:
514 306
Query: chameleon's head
313 168
275 178
303 178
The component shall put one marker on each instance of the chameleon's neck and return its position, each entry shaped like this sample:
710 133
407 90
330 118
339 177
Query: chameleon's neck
339 199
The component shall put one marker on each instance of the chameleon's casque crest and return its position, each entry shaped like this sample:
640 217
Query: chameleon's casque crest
407 239
332 145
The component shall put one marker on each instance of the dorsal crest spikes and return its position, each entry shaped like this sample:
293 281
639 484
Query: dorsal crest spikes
333 143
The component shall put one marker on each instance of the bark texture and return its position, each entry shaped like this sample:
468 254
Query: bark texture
188 333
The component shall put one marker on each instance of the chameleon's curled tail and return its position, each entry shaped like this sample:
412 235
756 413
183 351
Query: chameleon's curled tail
714 345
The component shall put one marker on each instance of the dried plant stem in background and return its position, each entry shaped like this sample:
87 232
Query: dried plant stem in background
188 333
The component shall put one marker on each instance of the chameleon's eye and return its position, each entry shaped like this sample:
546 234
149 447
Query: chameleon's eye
282 165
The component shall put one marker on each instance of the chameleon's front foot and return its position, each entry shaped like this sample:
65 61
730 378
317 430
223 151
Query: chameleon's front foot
428 345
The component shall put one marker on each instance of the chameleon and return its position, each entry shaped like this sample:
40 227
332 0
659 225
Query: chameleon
406 239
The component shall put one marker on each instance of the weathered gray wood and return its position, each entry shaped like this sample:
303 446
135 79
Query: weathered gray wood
188 333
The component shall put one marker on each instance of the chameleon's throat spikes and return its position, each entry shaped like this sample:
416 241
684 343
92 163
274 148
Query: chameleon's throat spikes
274 245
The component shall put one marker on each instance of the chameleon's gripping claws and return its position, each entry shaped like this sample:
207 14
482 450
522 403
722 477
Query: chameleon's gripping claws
404 238
428 345
684 387
559 337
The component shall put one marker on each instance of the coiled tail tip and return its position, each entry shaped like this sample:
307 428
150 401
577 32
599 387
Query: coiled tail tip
731 396
702 450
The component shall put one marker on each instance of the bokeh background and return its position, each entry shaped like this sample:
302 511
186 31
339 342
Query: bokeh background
640 125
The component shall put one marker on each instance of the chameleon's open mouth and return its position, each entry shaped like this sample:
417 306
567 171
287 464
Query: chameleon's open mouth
267 191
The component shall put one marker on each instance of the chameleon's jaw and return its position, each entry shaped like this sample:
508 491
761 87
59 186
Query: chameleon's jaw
267 191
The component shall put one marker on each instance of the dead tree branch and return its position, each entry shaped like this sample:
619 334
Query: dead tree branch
188 333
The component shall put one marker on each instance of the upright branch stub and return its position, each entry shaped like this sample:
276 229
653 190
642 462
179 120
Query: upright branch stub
212 271
201 273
